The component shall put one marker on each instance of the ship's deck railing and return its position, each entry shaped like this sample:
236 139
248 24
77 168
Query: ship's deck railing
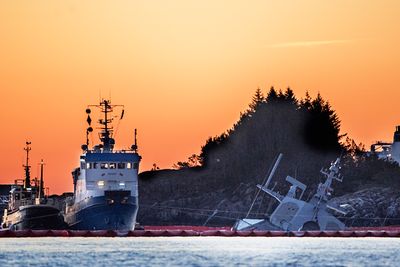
122 151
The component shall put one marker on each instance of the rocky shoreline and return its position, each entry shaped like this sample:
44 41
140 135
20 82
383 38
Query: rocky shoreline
369 207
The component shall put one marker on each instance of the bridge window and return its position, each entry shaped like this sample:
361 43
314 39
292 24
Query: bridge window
135 165
91 165
83 165
121 165
104 165
112 166
129 165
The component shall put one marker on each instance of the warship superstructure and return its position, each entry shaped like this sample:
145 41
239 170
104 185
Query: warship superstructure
28 207
296 214
106 181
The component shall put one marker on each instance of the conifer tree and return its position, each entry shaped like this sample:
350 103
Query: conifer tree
323 125
305 103
289 96
272 95
258 99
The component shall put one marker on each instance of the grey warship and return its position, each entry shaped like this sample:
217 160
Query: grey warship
296 214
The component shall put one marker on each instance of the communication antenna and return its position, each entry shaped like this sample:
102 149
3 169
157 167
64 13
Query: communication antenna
119 121
41 183
26 166
134 147
106 124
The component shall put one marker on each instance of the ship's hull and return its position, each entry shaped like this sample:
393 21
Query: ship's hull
103 213
35 217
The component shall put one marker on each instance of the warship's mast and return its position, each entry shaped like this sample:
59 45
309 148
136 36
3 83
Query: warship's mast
27 167
324 189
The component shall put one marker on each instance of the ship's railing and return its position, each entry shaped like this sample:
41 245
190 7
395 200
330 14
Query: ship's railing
122 151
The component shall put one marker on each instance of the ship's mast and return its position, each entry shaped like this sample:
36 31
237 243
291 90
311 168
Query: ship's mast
324 189
106 129
41 183
27 167
106 133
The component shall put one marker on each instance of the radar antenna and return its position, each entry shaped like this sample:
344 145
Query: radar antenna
106 129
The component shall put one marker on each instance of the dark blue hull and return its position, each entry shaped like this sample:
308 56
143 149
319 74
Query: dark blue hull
102 213
36 217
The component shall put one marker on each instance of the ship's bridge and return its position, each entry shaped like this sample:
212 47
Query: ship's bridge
109 171
120 156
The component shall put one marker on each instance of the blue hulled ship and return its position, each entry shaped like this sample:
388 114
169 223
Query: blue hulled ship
106 182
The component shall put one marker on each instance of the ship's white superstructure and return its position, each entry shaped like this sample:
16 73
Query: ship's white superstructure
106 182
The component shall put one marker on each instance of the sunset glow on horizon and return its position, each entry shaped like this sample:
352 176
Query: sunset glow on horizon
184 70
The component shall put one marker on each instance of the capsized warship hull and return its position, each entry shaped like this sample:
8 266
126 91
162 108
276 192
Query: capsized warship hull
103 213
293 213
35 217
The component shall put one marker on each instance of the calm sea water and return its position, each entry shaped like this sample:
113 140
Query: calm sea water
199 251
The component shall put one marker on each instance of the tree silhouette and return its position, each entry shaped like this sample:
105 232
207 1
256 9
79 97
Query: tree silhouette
323 125
272 95
258 99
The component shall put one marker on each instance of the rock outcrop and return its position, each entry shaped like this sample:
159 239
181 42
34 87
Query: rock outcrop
375 206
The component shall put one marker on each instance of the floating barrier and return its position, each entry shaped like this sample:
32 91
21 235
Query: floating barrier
190 231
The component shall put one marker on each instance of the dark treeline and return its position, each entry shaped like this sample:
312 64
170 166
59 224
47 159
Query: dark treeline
306 131
280 121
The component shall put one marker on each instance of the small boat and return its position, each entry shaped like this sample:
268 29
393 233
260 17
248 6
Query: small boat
106 181
28 207
296 214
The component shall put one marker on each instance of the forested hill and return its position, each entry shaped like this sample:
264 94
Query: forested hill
225 174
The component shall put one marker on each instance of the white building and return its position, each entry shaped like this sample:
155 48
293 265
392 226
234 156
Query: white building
386 150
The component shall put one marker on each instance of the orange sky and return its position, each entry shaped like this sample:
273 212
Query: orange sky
184 70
